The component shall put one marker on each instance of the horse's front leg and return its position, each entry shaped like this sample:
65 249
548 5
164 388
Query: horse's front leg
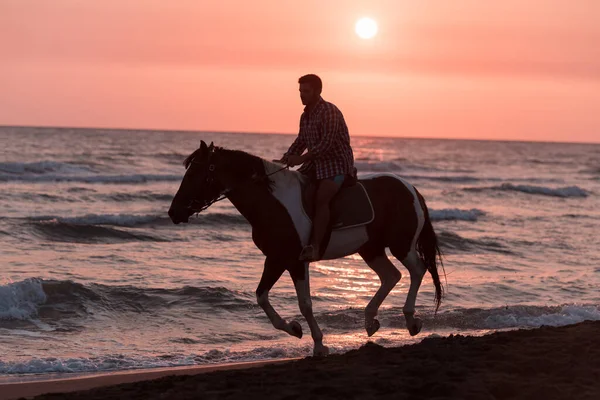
301 282
271 274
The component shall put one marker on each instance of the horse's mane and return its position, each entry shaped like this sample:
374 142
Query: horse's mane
247 165
188 160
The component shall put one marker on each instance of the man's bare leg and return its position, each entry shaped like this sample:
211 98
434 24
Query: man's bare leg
326 190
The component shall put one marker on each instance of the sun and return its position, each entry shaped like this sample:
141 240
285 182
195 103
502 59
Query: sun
366 28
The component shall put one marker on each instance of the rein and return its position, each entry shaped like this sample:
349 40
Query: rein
223 195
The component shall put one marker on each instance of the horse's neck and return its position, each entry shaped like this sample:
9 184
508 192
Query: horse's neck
252 202
256 203
282 177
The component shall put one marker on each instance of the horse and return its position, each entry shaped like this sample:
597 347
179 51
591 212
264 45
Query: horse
269 196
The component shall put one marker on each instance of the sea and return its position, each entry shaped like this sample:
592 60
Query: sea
94 277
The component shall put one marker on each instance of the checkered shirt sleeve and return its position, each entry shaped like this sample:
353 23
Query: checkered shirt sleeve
324 133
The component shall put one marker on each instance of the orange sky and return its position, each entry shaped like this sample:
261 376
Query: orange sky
525 70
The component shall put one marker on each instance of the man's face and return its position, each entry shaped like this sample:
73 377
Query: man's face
307 94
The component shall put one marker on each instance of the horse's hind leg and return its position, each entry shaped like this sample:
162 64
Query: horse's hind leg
301 283
389 276
417 270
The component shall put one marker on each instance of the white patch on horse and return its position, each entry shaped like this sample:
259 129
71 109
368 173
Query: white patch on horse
416 204
287 188
344 242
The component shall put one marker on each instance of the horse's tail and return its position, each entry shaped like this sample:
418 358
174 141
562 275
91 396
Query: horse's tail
429 252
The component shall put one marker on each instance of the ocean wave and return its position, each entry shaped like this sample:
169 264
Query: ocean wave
115 228
569 191
77 189
220 219
368 164
119 362
124 220
559 316
437 178
508 317
20 300
38 197
430 168
42 167
170 158
578 216
117 179
335 323
53 300
592 170
132 220
513 317
143 195
451 214
454 242
78 233
553 161
445 178
93 364
377 166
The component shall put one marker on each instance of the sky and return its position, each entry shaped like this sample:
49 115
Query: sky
501 70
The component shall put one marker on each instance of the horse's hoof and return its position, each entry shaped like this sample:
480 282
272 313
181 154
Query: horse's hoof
321 351
373 327
296 329
415 327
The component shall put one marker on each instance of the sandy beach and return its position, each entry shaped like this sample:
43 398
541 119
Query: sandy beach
544 363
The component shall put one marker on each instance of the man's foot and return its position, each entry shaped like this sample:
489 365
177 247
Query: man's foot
309 253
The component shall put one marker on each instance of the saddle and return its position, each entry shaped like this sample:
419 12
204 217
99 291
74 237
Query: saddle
350 207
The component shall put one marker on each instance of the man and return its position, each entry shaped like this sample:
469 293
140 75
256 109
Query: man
329 159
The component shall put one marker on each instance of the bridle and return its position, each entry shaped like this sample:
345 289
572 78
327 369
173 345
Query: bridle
197 206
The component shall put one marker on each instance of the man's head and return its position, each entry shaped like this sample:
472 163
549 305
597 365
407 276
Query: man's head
310 89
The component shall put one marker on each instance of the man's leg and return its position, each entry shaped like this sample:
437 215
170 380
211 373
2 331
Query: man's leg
326 190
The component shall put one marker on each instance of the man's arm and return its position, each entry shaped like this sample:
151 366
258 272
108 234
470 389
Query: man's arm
295 149
330 125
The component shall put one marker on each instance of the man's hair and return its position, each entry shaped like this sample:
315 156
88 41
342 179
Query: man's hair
313 80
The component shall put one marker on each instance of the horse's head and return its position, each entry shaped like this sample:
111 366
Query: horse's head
201 184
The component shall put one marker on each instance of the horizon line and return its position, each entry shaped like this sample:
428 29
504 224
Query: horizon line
284 134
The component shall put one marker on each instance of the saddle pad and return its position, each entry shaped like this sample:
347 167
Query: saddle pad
350 207
296 194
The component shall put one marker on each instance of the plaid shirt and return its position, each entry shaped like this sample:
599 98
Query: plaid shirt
324 133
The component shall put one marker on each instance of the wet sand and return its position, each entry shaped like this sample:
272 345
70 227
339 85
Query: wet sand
544 363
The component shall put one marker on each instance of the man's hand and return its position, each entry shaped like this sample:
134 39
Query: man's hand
294 160
282 160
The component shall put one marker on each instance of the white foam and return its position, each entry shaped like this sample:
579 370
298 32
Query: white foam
20 300
450 214
121 362
569 314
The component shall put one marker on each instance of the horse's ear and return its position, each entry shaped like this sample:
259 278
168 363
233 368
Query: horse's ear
203 147
211 145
